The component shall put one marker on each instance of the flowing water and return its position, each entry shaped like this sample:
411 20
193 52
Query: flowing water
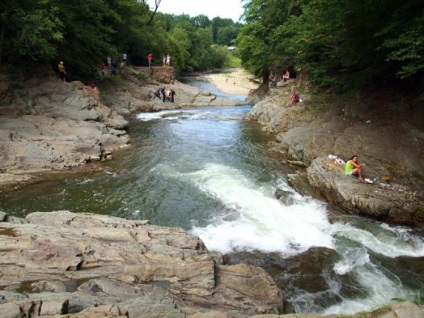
208 171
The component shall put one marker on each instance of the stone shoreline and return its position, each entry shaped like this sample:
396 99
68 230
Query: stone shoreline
98 266
47 125
93 266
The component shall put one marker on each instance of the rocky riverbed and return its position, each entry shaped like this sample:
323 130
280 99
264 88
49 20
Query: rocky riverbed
389 139
47 125
63 264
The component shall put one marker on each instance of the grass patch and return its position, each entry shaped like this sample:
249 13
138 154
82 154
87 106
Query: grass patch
232 61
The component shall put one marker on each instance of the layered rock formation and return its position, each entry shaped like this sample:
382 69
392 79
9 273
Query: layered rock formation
390 140
81 265
57 125
136 93
63 263
49 125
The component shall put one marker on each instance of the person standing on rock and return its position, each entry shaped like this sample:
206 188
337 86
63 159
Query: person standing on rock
164 60
62 71
172 95
162 91
149 59
168 60
354 169
103 69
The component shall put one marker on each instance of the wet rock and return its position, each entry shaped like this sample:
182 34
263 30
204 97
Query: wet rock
305 136
284 196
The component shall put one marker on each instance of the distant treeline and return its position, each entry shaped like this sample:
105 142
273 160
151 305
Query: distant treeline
83 33
341 44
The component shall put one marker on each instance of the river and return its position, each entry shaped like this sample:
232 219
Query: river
208 171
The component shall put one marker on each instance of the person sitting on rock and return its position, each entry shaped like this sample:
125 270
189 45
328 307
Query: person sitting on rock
354 169
286 75
294 98
157 93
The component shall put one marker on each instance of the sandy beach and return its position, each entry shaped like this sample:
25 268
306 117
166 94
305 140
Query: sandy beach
237 82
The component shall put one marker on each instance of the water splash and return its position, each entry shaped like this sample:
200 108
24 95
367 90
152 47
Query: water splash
262 223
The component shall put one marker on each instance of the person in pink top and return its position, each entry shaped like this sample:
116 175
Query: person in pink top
149 59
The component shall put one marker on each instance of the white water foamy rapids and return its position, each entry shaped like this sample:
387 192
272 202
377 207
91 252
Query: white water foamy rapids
255 220
252 219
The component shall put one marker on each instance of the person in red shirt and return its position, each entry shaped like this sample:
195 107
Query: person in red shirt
149 59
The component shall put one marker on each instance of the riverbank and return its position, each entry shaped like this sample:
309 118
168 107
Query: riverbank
47 125
233 82
99 284
389 138
92 265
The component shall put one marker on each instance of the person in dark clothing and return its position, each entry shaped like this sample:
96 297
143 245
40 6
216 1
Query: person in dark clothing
171 95
162 91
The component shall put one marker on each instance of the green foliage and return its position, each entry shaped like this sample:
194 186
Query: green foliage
233 61
84 33
339 44
226 35
194 38
404 39
257 40
30 30
216 57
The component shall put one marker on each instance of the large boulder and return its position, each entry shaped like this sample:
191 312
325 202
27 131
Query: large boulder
61 125
63 262
385 202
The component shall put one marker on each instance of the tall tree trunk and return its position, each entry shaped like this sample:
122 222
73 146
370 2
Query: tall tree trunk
263 89
157 3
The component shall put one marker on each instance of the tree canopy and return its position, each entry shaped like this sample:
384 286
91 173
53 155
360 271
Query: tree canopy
353 43
84 33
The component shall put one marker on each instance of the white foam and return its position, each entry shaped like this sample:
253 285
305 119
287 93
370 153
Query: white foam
388 243
166 114
379 290
263 223
253 219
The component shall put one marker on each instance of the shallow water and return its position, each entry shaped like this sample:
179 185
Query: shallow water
208 171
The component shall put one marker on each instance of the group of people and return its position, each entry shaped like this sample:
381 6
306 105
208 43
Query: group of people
166 60
165 94
109 65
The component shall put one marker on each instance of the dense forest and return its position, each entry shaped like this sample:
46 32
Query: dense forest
83 33
338 44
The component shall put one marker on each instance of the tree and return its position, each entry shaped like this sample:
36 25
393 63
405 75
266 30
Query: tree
30 30
227 35
217 24
256 41
403 38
